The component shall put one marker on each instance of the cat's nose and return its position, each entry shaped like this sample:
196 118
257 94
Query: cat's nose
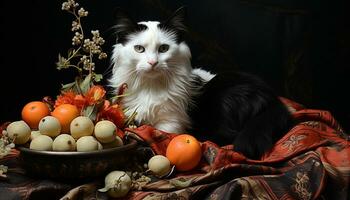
152 62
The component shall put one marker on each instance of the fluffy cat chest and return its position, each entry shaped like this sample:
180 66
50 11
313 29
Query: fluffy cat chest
147 106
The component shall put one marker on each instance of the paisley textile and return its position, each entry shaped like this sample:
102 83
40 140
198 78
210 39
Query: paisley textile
312 161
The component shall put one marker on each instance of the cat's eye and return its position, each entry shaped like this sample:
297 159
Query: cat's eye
139 48
163 48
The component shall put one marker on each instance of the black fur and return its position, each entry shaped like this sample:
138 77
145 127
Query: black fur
242 109
176 24
126 26
233 107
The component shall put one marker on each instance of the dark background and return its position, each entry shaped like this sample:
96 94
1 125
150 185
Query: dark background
301 48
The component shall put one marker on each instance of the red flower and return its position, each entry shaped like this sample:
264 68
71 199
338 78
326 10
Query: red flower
80 101
95 94
113 113
65 98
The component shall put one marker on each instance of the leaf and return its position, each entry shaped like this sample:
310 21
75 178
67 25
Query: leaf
86 84
98 77
77 85
71 51
90 112
68 86
62 62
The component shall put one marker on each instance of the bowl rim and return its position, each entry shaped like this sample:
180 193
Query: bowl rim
130 145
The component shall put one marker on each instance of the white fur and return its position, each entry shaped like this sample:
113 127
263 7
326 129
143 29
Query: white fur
203 74
160 94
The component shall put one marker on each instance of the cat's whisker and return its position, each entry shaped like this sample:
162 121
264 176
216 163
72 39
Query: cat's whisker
108 71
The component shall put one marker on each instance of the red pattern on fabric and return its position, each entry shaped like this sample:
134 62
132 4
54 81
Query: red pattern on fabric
157 139
311 161
316 131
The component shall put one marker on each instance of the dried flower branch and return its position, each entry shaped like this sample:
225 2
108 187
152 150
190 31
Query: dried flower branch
5 148
81 56
3 171
5 144
89 98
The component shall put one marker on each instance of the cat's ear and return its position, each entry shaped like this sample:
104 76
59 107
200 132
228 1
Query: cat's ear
176 21
125 25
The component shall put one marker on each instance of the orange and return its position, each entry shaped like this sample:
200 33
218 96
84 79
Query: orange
65 113
33 112
184 151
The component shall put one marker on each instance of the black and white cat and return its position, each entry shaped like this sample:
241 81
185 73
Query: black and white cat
155 62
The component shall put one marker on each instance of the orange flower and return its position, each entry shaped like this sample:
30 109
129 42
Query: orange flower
113 113
65 98
80 101
95 94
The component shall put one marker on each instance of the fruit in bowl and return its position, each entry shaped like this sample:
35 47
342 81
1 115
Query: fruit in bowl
64 142
33 112
48 152
73 165
65 113
56 136
19 132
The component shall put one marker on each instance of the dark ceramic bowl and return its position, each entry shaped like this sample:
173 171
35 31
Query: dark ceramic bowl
76 165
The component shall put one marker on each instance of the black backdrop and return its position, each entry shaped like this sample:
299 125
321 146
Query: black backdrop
299 47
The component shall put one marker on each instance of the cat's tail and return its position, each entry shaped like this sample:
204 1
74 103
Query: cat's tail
240 108
262 131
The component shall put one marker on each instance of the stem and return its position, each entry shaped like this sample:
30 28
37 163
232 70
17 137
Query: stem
80 26
90 67
73 66
80 69
73 55
78 18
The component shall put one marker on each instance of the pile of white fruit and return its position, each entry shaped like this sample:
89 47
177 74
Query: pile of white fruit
84 135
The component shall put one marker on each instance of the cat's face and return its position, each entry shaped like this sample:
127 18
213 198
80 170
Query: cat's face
151 48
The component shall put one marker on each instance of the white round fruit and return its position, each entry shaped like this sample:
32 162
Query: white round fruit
105 131
117 184
117 142
99 146
159 165
50 126
34 134
19 131
81 126
64 142
41 143
87 143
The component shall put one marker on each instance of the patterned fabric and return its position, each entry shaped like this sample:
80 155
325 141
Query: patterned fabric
312 161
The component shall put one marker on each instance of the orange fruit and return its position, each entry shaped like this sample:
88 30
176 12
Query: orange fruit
33 112
184 151
65 113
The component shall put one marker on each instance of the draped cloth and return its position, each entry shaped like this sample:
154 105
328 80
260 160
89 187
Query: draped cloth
311 161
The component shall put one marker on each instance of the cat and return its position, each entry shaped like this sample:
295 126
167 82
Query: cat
164 89
155 63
